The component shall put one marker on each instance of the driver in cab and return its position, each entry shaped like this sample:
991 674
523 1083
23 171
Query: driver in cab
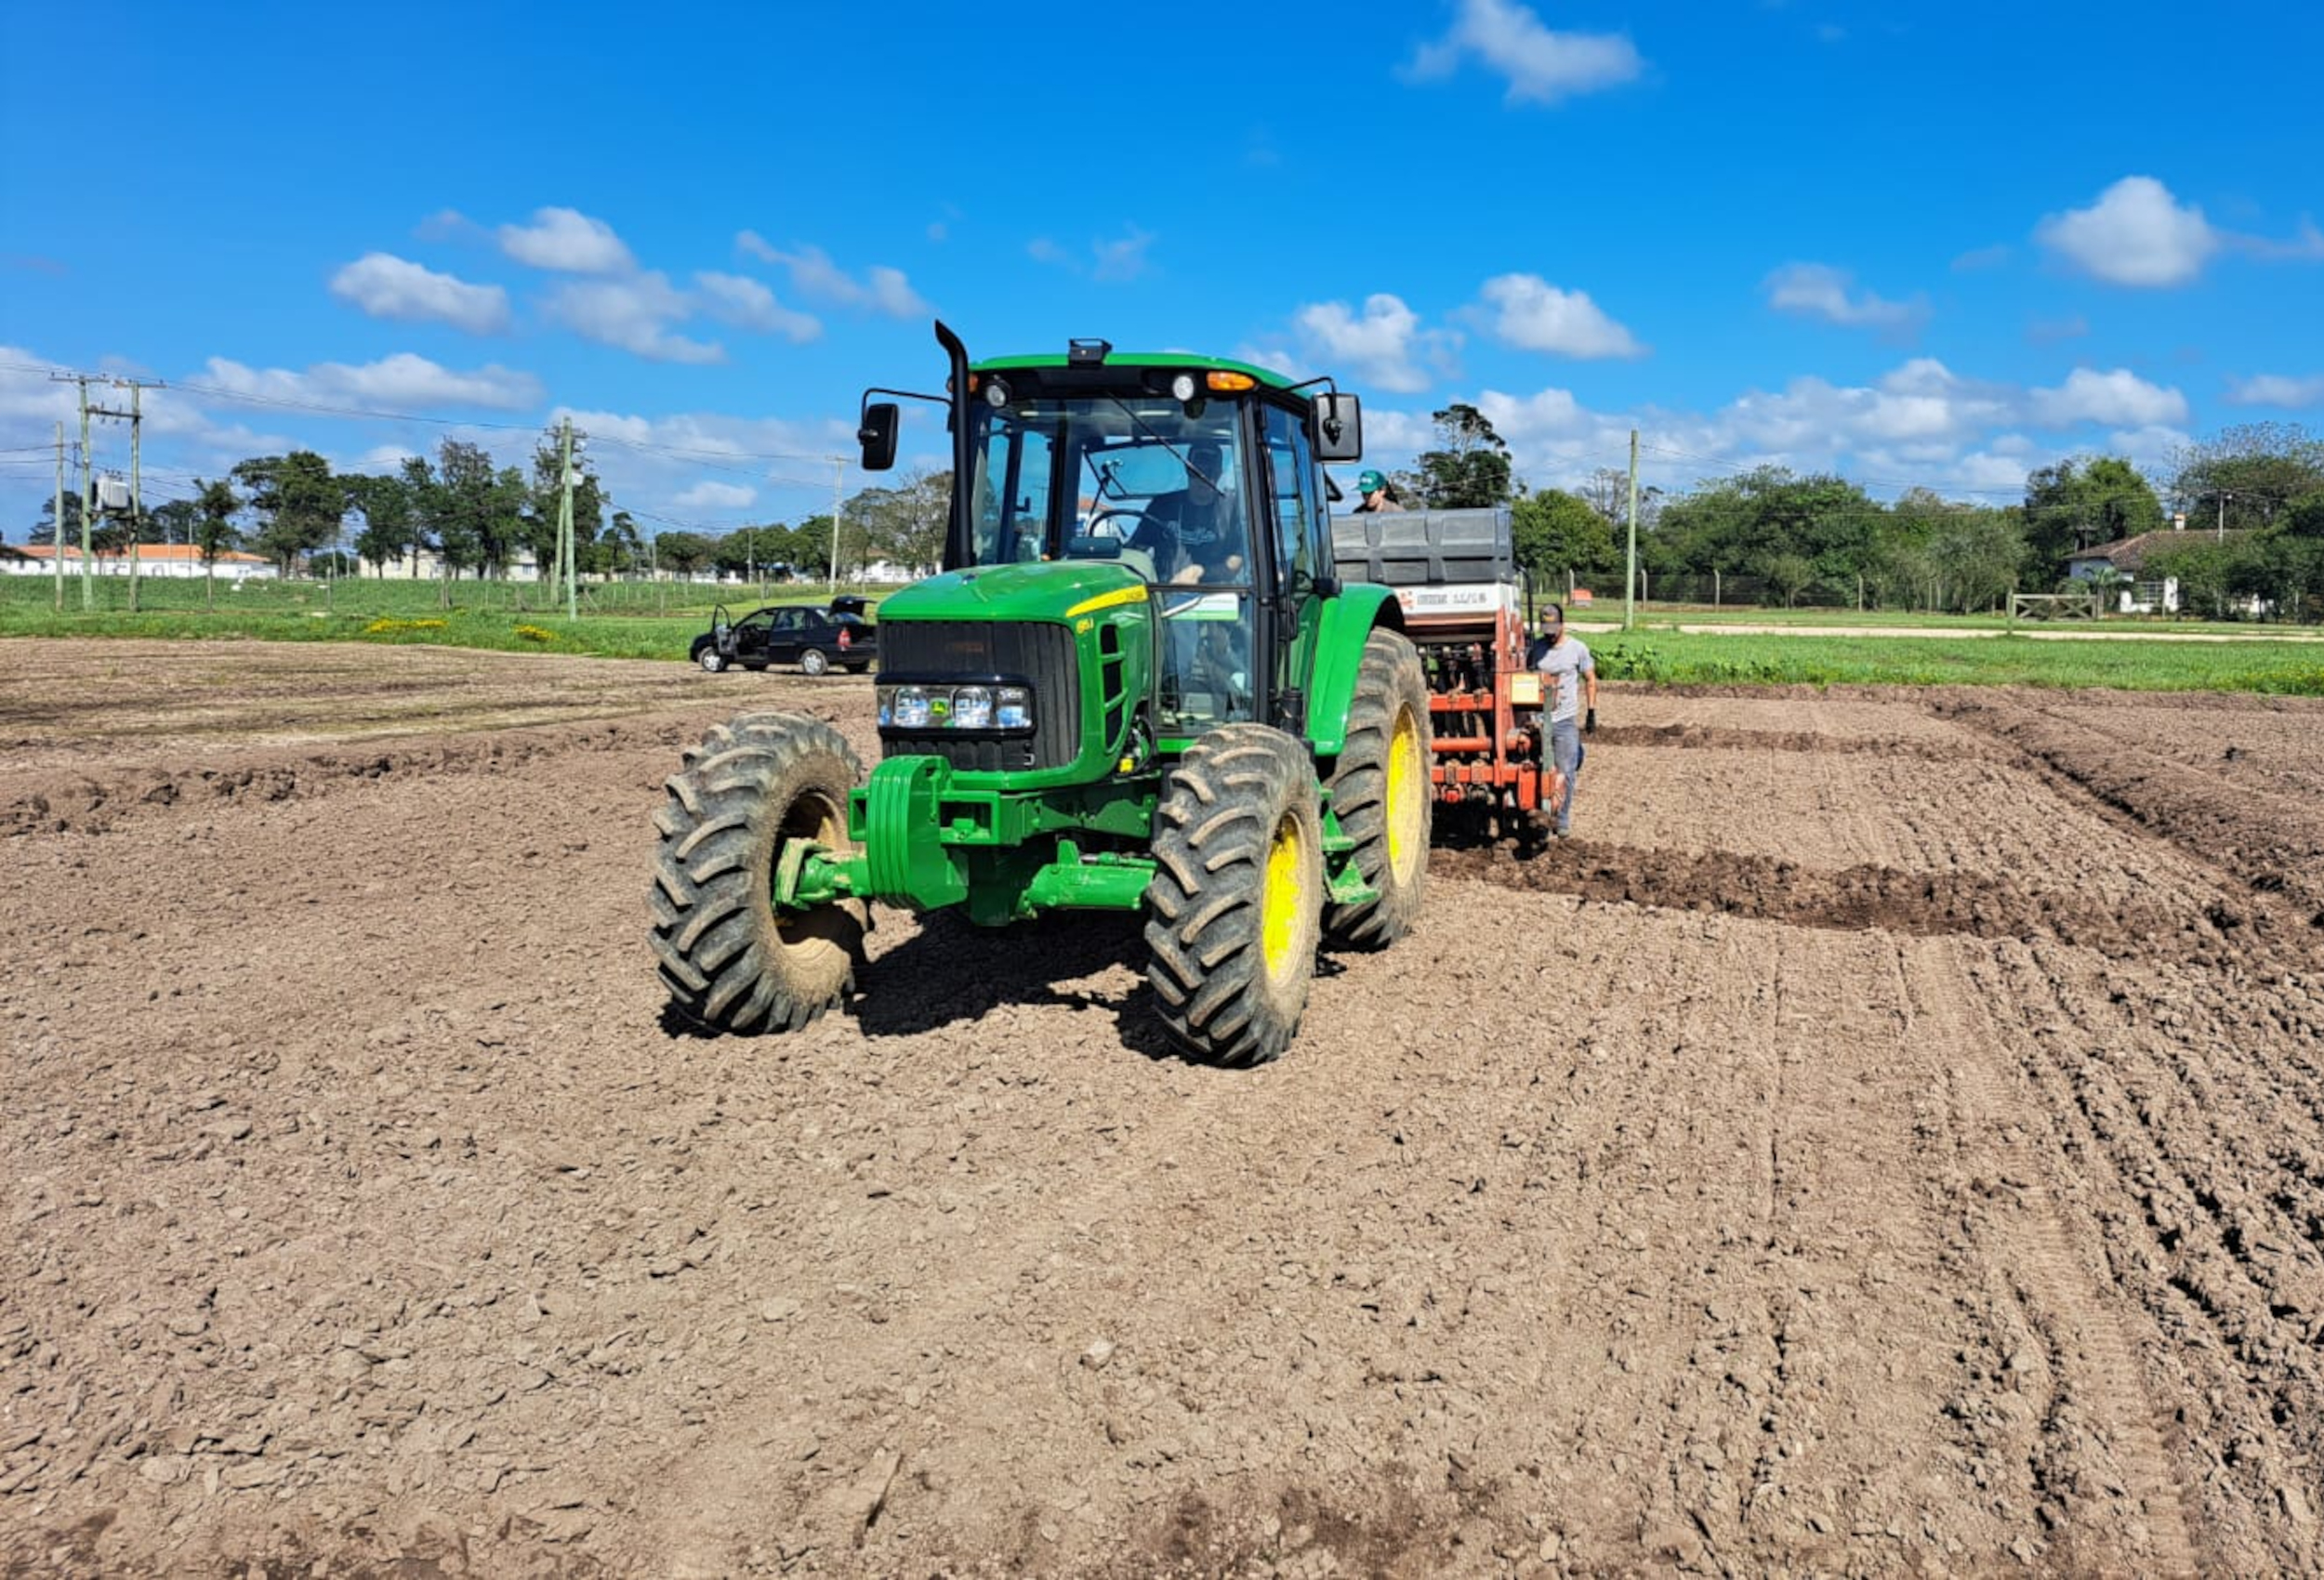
1196 535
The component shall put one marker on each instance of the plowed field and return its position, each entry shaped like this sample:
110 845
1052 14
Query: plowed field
1889 1137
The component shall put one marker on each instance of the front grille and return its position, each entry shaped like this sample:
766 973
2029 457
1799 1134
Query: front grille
1035 651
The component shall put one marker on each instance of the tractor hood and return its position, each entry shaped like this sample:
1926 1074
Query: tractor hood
1063 591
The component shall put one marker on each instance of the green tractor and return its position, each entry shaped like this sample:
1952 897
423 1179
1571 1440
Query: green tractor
1136 686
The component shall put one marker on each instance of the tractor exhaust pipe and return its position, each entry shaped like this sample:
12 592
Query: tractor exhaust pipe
958 532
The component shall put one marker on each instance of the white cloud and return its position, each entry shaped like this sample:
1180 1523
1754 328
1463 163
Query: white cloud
634 315
1116 259
2307 245
2136 234
1379 347
403 381
2276 389
1536 316
386 286
1816 290
715 497
568 241
1124 256
2044 331
447 225
2119 398
814 276
745 303
1540 66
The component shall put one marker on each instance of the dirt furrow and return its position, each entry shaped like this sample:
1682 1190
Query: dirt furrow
2100 1443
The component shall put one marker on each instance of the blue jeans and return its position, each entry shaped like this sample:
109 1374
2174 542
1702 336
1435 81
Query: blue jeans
1566 752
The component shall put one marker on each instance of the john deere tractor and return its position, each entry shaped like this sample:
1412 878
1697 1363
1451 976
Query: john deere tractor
1136 686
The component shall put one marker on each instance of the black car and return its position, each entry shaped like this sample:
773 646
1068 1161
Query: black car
816 638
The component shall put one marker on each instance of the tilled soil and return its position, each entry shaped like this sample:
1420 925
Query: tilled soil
1890 1136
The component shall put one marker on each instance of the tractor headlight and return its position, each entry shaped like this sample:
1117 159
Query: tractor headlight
971 708
907 707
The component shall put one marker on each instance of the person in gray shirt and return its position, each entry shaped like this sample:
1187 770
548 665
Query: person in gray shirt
1573 704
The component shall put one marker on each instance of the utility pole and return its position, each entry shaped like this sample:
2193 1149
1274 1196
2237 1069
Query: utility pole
838 477
564 520
57 517
2224 497
1629 582
88 508
137 496
135 417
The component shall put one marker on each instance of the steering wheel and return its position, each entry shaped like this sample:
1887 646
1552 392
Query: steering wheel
1125 510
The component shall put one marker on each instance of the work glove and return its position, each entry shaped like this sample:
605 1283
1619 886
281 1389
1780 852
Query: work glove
1589 722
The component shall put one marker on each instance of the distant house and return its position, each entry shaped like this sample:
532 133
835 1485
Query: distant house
153 560
426 565
2141 593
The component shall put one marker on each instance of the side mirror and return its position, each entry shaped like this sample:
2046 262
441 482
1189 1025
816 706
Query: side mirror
877 436
1339 427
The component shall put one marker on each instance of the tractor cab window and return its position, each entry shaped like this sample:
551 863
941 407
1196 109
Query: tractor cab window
1130 477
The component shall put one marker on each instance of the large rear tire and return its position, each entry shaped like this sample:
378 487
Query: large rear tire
1380 793
1235 909
752 788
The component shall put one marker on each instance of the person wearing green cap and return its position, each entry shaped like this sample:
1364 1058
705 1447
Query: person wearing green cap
1375 501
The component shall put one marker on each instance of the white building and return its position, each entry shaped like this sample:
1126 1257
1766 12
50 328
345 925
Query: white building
173 560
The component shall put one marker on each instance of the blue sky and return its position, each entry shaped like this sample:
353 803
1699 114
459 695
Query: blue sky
1918 244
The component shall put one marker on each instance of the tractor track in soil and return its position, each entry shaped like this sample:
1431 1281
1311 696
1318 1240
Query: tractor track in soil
1890 1136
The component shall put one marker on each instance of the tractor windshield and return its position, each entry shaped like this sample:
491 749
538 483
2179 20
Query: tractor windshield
1136 480
1105 477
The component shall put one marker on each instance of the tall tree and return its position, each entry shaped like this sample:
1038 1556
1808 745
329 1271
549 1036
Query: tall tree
213 530
2249 476
621 551
298 503
1557 532
172 522
1470 465
2079 503
682 552
391 518
905 525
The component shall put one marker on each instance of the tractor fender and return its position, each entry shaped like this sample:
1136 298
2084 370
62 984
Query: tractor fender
1347 620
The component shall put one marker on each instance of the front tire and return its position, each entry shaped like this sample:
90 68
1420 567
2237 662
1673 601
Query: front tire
1381 791
731 962
812 662
1235 909
711 660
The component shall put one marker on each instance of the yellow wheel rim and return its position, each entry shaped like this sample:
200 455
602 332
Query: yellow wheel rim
1406 812
1282 896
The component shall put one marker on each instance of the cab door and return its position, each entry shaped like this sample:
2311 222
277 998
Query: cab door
1293 505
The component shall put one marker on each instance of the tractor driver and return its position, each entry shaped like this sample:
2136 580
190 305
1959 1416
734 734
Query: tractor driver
1196 535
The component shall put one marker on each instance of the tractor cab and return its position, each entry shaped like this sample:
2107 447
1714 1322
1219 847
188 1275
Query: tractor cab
1197 481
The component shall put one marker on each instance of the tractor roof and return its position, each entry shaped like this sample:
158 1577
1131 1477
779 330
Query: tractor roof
1129 361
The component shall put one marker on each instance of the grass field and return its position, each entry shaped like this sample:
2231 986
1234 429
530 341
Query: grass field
634 620
618 620
1696 658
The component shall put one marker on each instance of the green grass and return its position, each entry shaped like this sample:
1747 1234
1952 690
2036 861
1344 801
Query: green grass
621 619
1676 658
644 620
1671 616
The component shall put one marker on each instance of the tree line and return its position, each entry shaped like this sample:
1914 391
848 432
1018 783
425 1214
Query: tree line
482 519
2251 501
